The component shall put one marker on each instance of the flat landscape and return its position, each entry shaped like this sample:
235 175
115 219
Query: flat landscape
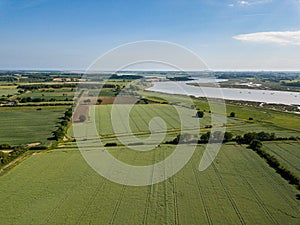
55 185
60 188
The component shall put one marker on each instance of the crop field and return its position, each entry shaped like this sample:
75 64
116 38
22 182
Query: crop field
141 114
288 154
58 187
58 95
23 125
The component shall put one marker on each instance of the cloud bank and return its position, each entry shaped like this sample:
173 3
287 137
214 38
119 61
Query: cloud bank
282 38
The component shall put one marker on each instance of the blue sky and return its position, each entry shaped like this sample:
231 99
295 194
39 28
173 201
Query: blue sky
227 34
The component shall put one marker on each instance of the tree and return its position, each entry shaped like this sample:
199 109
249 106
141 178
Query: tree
99 101
205 137
228 136
200 114
82 118
232 114
255 145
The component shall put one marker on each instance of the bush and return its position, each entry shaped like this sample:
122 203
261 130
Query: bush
232 114
110 144
200 114
5 146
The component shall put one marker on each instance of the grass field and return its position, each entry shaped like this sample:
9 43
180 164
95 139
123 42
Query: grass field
8 90
60 188
58 95
141 115
23 125
282 120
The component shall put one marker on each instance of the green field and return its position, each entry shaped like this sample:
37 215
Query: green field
23 125
58 187
282 120
58 95
141 115
287 153
8 90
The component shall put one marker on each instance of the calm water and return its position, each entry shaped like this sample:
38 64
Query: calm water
278 97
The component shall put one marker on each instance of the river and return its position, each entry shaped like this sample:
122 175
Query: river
266 96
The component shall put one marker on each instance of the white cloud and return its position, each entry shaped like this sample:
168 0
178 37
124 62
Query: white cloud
249 2
282 38
244 3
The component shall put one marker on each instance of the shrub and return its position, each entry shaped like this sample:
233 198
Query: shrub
232 114
110 144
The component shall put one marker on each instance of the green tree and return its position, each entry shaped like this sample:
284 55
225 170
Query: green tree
228 136
200 114
205 137
255 144
232 114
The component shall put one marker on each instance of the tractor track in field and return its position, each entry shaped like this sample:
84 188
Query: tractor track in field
166 208
255 194
260 202
55 209
175 202
228 194
91 200
142 119
150 116
122 122
170 124
117 206
270 176
150 192
121 197
282 158
288 150
206 210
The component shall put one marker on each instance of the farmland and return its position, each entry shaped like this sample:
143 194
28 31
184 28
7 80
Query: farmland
58 187
50 94
7 90
23 125
287 153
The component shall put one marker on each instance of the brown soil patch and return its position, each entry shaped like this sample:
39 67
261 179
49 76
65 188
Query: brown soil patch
33 144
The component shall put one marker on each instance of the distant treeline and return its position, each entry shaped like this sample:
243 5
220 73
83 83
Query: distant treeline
125 77
180 78
39 86
30 87
275 76
291 84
